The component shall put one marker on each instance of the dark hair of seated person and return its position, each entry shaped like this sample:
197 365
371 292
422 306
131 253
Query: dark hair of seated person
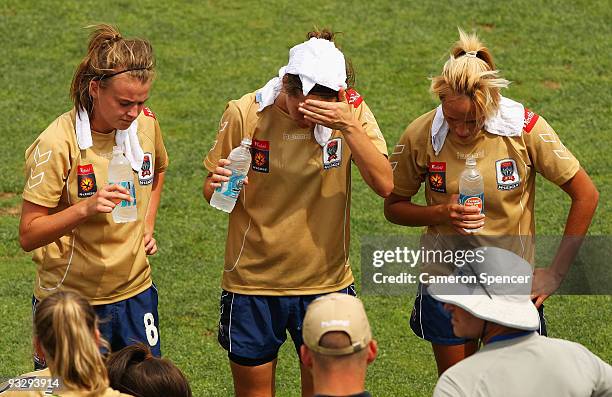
134 370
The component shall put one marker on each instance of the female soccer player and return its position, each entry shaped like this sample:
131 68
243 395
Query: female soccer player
288 237
67 202
510 144
66 335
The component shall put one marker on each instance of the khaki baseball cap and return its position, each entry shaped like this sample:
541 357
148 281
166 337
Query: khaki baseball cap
336 312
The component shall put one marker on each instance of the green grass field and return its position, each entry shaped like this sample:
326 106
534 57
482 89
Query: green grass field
557 55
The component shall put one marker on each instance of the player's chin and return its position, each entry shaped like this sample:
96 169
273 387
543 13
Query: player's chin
123 124
464 136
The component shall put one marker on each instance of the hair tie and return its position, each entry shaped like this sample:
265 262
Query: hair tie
116 37
471 54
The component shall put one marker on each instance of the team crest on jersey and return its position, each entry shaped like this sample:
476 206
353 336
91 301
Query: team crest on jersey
437 176
86 178
260 156
332 153
507 174
145 176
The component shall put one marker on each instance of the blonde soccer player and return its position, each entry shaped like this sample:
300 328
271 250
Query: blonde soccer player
511 144
66 336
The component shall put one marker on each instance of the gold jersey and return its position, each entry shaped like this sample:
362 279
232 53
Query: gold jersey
289 232
102 260
508 166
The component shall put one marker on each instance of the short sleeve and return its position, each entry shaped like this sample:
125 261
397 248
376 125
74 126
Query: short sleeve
370 126
47 166
161 155
409 160
548 155
229 136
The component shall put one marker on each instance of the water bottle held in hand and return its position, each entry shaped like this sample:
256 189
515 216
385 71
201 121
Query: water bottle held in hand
224 198
471 188
120 173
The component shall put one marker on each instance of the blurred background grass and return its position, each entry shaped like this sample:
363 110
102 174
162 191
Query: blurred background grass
557 54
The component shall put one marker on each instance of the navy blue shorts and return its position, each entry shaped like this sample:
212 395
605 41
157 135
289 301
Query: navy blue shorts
125 322
430 321
252 328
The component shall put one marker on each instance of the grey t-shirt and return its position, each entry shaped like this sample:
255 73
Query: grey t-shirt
531 365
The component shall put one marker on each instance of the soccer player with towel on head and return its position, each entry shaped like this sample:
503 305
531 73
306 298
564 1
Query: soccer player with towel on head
288 235
511 144
515 360
67 201
338 345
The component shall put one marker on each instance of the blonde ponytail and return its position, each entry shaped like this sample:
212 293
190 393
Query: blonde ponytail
470 71
65 325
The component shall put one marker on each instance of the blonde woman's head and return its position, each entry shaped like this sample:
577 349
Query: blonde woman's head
65 329
469 82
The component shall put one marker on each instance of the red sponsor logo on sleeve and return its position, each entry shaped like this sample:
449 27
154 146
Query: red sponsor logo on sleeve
353 97
148 112
530 120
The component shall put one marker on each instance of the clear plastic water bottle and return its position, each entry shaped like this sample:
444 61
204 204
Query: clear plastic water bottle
224 198
120 173
471 188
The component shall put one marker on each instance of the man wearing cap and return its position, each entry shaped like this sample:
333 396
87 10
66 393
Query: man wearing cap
515 360
338 345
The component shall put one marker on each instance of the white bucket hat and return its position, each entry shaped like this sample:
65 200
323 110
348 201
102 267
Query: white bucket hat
506 303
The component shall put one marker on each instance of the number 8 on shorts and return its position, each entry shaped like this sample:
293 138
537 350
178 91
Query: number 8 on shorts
151 329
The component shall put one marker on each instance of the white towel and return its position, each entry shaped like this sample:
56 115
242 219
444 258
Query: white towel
316 61
507 122
126 139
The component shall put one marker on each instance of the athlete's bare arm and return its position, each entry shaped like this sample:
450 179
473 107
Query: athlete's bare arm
401 211
373 165
584 197
151 215
215 179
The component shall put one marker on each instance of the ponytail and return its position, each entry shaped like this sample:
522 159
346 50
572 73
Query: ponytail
470 71
65 325
109 54
135 371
